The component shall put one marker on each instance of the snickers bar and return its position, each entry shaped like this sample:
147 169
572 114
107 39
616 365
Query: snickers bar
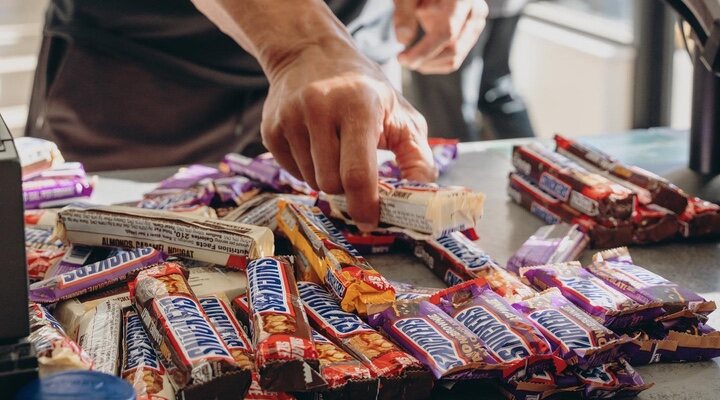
200 364
550 244
347 273
118 268
587 192
401 375
508 335
609 306
285 355
579 338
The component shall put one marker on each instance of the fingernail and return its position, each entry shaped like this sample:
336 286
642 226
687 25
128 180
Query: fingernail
364 227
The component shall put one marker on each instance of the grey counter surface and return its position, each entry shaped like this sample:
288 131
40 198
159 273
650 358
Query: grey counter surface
484 166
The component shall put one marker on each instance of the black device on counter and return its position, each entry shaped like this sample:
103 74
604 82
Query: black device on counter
18 364
703 16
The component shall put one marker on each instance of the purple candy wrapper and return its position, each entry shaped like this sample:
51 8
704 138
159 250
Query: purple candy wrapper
540 386
701 346
609 306
55 192
237 189
444 154
550 244
265 170
78 256
188 177
444 345
615 266
578 337
507 334
121 267
612 380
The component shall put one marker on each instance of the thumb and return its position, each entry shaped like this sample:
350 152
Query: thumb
406 25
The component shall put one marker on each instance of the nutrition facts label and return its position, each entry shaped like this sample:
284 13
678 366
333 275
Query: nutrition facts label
214 241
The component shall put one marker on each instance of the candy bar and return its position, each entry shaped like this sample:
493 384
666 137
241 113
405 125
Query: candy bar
179 200
550 244
692 347
578 338
119 268
198 361
187 177
649 187
42 252
401 375
455 259
265 170
55 350
609 306
76 257
653 224
228 327
350 277
424 207
616 379
43 219
584 191
214 241
700 218
285 355
444 345
406 291
55 192
141 366
617 269
347 377
541 385
553 211
36 155
99 334
508 336
368 243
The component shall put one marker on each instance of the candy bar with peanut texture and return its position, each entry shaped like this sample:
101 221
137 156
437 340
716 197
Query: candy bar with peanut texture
284 352
198 361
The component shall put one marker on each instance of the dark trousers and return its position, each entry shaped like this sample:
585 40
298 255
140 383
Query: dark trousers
483 83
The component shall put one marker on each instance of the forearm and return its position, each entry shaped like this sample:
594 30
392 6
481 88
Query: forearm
276 32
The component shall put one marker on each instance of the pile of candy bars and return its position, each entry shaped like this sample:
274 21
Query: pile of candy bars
230 283
49 181
614 203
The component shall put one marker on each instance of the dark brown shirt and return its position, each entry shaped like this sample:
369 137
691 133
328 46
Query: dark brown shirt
138 83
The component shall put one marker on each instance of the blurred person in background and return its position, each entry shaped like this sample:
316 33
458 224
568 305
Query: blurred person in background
483 83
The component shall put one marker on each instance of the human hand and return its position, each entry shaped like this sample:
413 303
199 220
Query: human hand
327 111
451 29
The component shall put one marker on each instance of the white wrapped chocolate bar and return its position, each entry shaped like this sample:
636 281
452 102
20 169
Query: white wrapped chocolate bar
215 241
99 335
424 207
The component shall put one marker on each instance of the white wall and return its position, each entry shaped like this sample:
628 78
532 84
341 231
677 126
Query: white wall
573 83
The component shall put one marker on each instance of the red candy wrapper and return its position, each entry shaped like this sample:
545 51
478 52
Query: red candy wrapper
609 306
506 333
587 192
553 211
197 359
285 354
401 375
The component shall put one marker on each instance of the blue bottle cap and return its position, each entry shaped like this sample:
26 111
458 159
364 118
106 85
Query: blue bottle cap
83 385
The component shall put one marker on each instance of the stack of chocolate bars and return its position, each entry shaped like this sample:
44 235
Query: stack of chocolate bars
230 283
615 204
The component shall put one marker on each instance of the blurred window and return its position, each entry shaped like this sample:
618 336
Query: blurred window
607 19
